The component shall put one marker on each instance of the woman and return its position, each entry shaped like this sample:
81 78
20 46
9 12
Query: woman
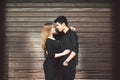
52 52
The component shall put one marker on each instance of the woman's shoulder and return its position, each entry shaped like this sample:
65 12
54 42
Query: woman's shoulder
49 40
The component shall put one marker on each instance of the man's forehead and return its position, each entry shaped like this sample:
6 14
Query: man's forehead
57 23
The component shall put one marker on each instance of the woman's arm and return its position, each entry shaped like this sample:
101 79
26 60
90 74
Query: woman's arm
72 28
65 52
50 52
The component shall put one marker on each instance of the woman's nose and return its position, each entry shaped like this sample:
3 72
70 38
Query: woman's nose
56 27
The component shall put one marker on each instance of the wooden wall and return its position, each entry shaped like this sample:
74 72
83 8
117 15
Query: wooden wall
23 27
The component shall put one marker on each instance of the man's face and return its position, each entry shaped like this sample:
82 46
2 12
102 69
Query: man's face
59 26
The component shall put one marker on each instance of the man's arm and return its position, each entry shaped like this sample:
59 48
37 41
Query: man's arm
71 56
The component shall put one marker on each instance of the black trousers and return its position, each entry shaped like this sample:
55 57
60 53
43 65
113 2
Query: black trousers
68 72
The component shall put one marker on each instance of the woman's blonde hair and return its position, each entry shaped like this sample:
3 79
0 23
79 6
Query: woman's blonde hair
46 31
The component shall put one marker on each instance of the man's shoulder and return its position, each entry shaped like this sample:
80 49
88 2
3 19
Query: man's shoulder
73 32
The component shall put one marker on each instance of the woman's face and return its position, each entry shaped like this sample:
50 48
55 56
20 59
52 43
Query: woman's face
53 31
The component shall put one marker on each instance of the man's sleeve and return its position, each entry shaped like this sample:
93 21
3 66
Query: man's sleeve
74 42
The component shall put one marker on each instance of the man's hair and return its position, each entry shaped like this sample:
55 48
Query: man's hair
61 19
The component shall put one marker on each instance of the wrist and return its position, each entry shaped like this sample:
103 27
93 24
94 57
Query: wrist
66 62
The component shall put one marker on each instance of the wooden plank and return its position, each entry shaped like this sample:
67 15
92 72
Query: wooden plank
41 55
44 79
13 36
78 29
37 60
87 45
34 76
41 71
57 1
37 39
80 51
59 5
76 24
58 9
88 66
37 19
81 45
54 14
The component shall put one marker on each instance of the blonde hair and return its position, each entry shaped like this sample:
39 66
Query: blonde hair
45 33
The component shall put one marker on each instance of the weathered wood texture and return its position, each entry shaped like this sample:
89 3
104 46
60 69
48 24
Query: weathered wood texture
23 27
58 1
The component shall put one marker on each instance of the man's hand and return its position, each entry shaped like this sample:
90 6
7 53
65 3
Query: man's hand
65 63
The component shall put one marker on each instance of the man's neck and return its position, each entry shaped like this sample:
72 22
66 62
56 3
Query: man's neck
65 29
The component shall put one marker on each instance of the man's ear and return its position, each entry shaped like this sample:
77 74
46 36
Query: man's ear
63 24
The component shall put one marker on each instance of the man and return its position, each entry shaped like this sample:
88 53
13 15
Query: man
68 40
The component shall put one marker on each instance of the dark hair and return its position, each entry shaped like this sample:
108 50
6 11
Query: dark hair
61 19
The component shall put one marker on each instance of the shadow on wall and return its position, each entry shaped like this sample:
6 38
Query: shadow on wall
3 65
116 39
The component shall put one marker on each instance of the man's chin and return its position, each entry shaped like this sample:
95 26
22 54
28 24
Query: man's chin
60 30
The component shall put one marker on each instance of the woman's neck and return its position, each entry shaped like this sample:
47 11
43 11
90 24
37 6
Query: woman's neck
51 37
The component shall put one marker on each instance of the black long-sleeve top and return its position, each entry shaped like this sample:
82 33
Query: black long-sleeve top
52 47
69 41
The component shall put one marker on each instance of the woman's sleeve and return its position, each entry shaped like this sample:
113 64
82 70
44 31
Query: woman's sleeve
49 49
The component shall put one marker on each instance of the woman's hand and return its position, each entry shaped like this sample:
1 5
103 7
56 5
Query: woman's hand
65 63
72 28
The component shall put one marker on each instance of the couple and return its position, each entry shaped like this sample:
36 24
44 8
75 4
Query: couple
61 50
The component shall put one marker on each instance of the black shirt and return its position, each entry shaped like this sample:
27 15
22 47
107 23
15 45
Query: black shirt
52 47
69 41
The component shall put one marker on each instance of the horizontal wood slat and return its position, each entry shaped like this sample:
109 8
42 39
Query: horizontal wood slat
78 29
76 24
58 9
35 19
69 5
11 36
82 67
50 14
57 1
43 79
37 55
